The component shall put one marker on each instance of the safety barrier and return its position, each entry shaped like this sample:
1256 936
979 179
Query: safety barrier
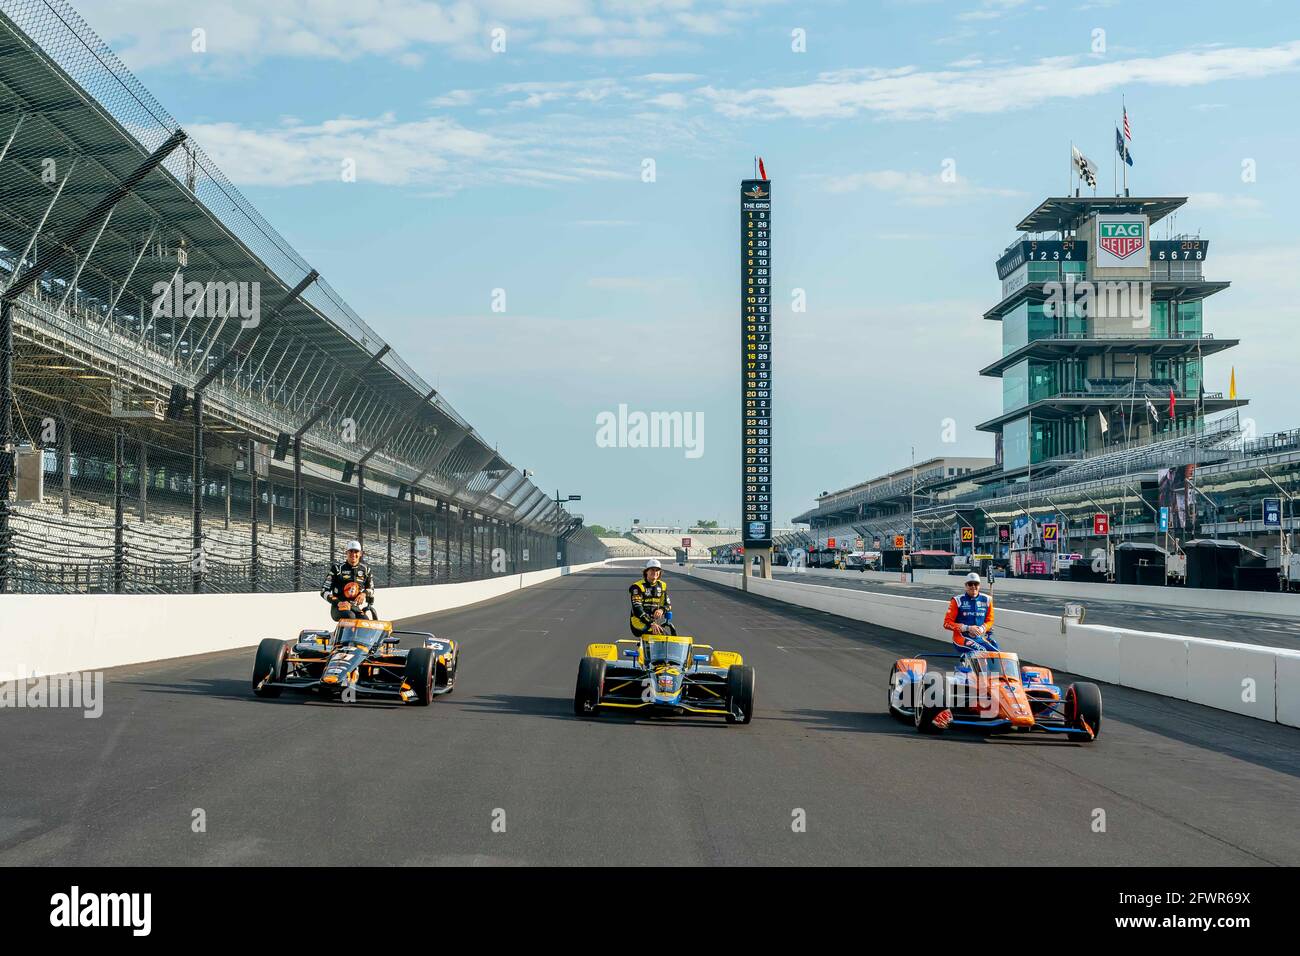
1259 682
59 633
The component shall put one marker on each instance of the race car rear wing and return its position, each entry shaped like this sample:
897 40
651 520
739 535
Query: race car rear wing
427 639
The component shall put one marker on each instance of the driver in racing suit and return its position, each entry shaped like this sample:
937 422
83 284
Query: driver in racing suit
970 618
350 587
651 605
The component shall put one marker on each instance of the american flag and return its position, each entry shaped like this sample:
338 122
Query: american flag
1128 133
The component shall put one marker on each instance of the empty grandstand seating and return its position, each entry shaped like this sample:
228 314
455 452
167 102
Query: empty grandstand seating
667 543
58 553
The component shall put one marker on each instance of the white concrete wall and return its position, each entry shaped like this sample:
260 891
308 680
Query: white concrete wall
57 633
1268 603
1260 682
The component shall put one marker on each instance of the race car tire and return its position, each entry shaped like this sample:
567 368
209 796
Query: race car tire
444 676
1083 703
740 694
590 687
446 679
419 674
898 715
923 716
923 720
270 660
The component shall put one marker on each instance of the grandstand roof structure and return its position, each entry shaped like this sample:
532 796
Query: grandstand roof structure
86 238
898 486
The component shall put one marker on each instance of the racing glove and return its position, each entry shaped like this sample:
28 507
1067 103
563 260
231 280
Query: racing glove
984 642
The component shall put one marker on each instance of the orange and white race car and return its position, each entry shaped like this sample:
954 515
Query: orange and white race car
991 691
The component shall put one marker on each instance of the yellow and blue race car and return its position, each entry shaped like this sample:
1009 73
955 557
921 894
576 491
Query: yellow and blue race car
663 674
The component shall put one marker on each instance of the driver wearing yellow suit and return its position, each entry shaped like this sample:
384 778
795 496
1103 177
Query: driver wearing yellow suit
652 608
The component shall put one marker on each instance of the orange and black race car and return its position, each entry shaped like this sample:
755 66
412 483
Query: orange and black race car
357 659
991 691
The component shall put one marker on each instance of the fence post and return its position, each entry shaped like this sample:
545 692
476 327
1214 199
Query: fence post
410 534
334 528
196 554
388 581
6 433
143 483
252 511
460 544
297 513
445 509
119 554
433 540
65 459
361 504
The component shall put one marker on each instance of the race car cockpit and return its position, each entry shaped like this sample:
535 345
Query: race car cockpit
667 652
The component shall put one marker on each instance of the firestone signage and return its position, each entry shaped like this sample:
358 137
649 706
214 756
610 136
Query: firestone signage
1122 242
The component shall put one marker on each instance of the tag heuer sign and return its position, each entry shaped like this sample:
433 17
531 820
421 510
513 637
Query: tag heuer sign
1121 239
1122 242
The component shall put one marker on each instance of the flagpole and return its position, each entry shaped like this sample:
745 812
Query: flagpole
1198 417
1124 142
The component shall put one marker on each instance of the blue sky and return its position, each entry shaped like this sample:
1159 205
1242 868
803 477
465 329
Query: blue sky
521 170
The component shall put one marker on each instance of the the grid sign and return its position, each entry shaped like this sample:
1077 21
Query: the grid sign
756 361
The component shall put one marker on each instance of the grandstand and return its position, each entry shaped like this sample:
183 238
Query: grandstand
292 421
879 508
1230 477
627 548
669 542
725 548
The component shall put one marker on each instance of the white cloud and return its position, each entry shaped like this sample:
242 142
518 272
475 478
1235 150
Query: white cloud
991 10
672 101
669 77
149 33
921 189
1233 203
910 93
453 98
389 151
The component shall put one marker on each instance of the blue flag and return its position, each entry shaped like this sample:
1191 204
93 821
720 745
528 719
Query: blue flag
1125 153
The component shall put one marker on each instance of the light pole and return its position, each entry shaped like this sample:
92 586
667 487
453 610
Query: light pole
559 551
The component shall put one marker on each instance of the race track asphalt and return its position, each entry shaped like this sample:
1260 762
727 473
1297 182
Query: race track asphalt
501 772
